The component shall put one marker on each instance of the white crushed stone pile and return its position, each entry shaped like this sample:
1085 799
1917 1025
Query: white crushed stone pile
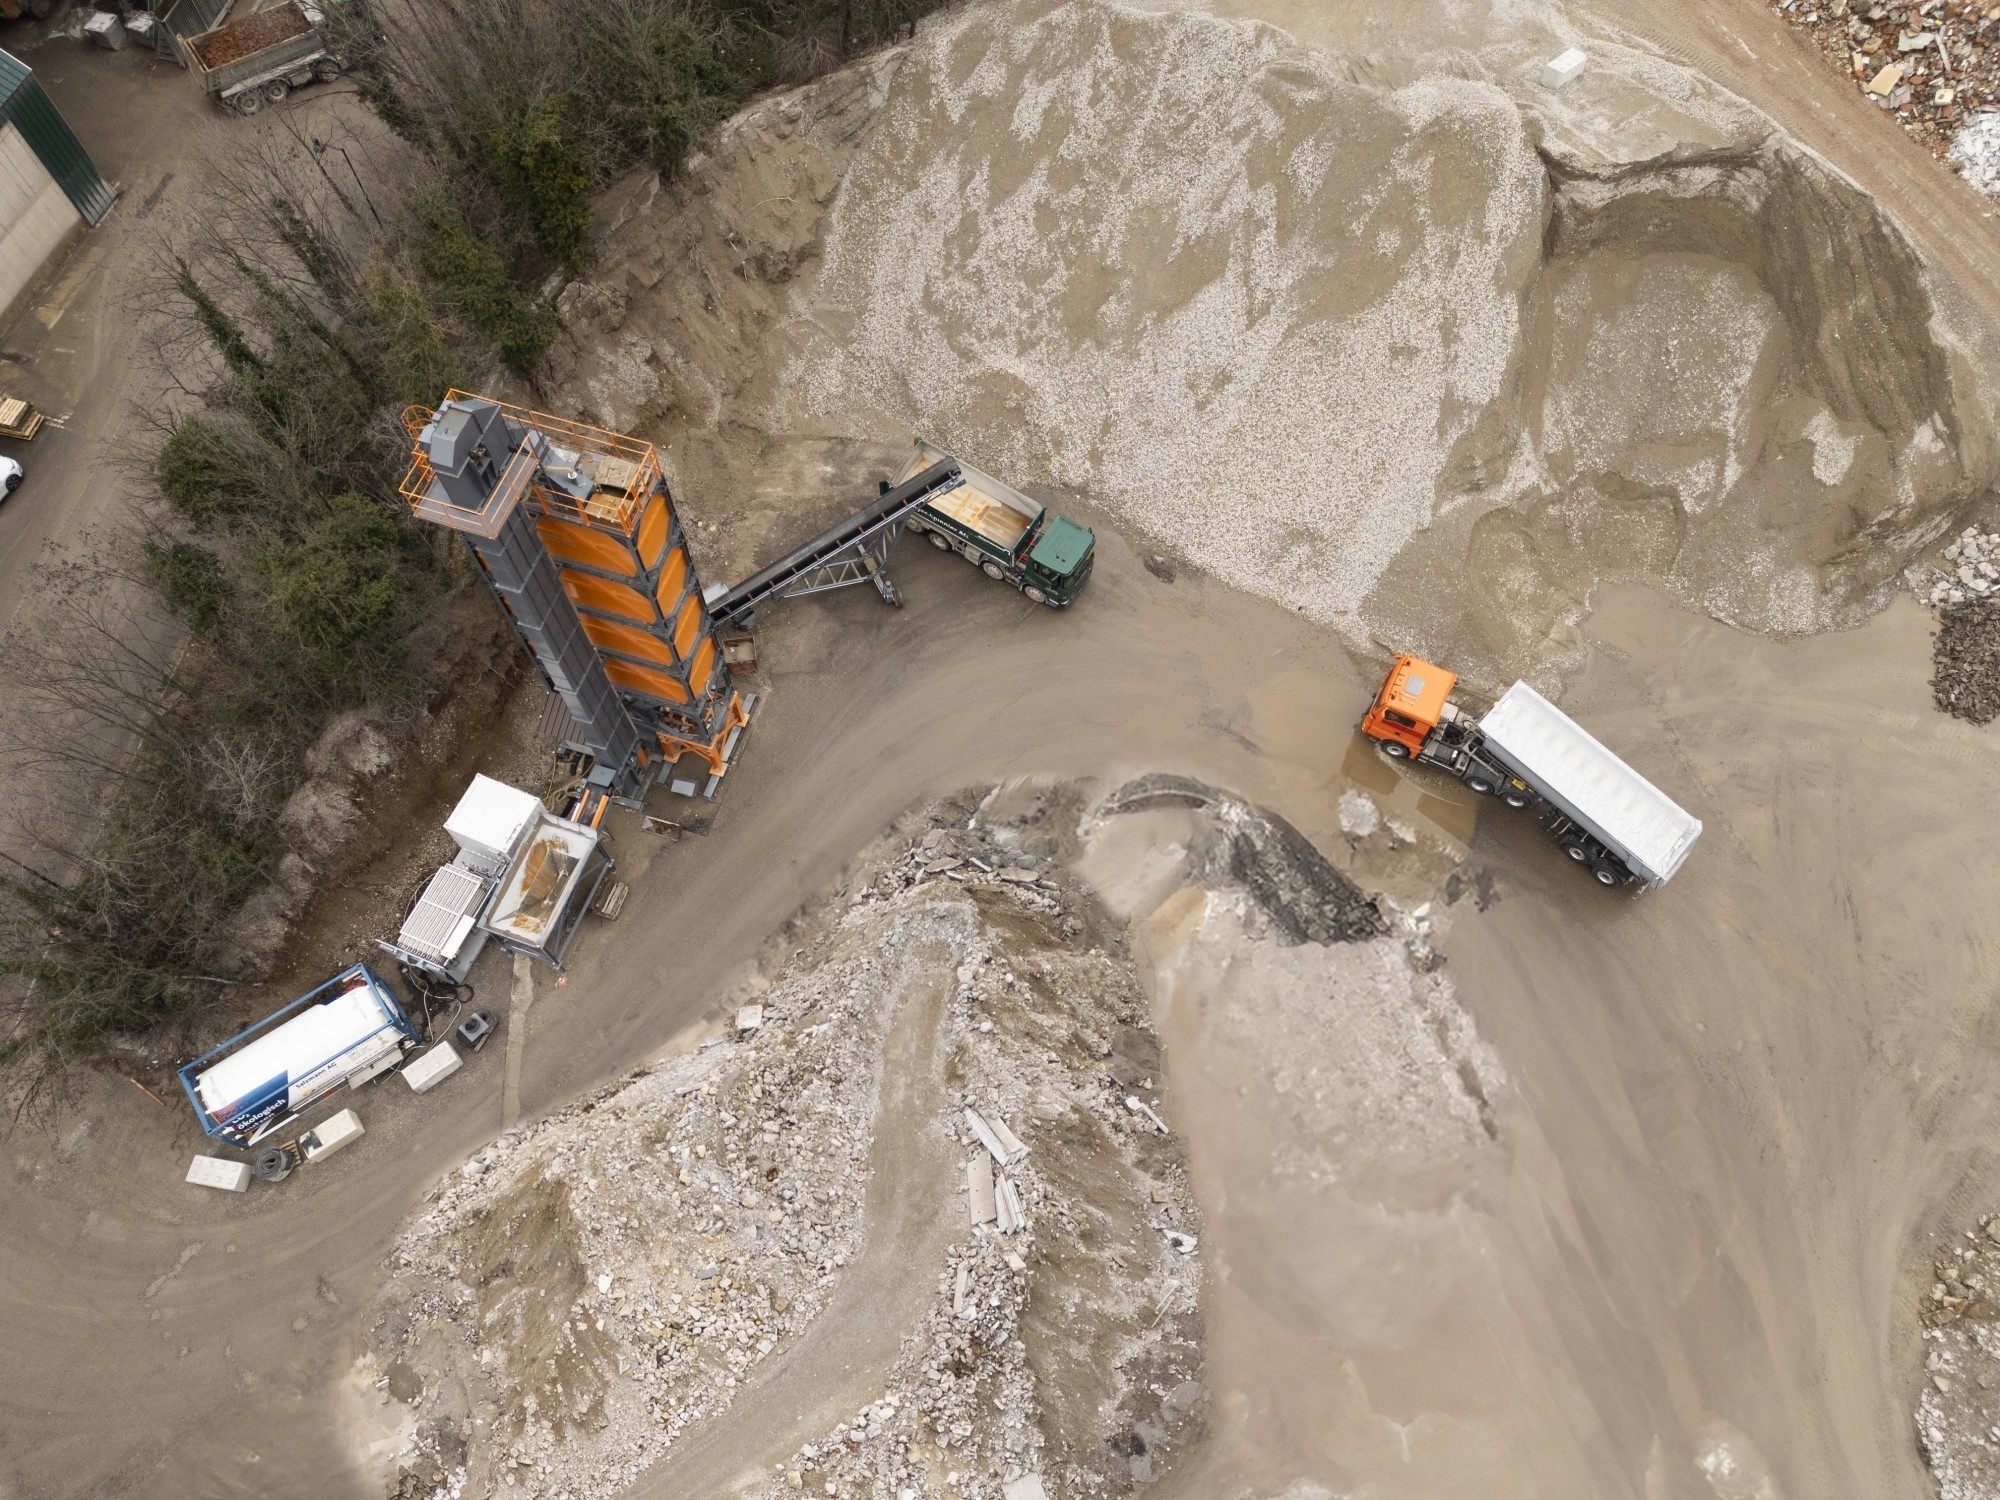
1091 246
1958 1410
1975 151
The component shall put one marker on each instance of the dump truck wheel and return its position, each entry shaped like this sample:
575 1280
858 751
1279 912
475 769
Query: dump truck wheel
939 540
1395 749
992 570
326 69
1035 595
1606 875
1480 785
247 103
276 90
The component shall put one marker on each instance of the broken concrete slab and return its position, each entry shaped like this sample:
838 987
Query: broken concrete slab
979 1191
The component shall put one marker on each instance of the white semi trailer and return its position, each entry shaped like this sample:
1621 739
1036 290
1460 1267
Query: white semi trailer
1531 754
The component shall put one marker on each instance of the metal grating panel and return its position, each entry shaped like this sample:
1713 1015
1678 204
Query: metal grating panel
438 923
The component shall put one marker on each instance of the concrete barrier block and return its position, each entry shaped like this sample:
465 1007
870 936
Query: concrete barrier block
426 1072
220 1172
1561 68
331 1134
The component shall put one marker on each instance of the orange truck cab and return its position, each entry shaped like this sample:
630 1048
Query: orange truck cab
1409 706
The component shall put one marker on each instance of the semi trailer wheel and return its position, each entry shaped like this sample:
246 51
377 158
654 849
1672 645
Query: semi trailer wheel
1606 875
939 540
1514 799
1395 749
1480 785
1578 853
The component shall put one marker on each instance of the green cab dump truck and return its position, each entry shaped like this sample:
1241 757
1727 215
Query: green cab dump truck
1004 533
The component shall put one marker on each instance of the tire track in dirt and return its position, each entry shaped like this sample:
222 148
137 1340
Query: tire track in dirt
844 1358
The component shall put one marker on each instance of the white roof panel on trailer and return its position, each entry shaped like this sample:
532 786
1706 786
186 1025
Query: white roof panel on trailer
1641 823
490 816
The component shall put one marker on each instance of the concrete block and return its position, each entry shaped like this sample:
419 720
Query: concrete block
1561 68
331 1134
1027 1487
426 1072
219 1172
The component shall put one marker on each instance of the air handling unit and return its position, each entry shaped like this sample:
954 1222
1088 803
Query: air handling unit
576 532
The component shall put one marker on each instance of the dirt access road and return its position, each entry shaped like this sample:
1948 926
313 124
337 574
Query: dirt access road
1738 1108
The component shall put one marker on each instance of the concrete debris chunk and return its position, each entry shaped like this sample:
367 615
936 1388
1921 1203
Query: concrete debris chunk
1884 83
1139 1106
961 1287
979 1191
1027 1487
1007 1202
1182 1242
994 1135
219 1172
749 1017
1561 68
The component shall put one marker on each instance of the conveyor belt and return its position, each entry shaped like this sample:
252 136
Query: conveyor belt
851 552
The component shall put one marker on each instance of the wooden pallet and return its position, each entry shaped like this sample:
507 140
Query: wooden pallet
18 419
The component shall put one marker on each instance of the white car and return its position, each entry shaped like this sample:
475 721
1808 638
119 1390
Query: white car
11 475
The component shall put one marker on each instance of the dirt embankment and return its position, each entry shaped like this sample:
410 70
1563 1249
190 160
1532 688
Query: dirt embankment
759 1259
1330 338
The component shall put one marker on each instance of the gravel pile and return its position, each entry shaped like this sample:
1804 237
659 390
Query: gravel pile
1958 1412
1965 661
1934 65
587 1290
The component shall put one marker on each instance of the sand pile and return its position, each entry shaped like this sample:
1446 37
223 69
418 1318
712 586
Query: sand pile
1296 326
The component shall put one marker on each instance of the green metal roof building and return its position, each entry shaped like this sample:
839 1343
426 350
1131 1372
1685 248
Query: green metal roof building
50 190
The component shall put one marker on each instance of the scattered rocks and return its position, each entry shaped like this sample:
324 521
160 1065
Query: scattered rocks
1934 64
1958 1405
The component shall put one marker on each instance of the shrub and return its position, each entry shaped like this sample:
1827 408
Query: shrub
472 279
191 579
337 588
543 173
205 476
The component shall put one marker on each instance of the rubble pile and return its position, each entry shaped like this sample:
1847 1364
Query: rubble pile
1958 1412
1971 570
585 1291
1934 65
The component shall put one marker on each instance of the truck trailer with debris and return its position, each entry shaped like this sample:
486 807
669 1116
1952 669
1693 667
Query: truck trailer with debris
349 1030
1008 536
259 58
1530 754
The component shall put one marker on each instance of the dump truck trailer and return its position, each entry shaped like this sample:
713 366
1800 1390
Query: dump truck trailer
259 58
1530 754
1008 536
